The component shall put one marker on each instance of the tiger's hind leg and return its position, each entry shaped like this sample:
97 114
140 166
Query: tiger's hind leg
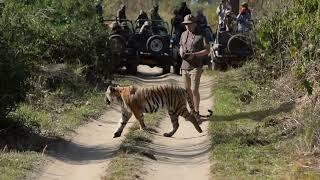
175 124
190 117
123 122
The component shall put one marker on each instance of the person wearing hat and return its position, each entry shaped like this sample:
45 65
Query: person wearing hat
193 47
244 18
121 13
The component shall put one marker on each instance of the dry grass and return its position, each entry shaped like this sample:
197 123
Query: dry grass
129 162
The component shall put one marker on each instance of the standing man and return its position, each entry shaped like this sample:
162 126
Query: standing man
193 47
121 14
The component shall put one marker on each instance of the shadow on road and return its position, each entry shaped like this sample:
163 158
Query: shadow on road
256 115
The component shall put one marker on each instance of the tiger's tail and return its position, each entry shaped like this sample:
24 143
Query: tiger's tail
191 105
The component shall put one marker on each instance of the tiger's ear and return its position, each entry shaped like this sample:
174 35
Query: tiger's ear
111 88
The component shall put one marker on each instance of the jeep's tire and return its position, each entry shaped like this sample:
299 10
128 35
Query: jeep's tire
176 69
116 44
155 44
166 69
239 44
132 69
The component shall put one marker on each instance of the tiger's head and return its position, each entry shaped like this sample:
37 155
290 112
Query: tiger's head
115 93
111 94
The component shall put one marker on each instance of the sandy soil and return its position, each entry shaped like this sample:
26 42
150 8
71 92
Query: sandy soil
185 155
87 154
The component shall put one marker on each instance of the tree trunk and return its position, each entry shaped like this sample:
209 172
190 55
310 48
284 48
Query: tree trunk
235 6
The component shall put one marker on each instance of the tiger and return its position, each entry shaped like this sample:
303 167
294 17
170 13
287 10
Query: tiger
138 101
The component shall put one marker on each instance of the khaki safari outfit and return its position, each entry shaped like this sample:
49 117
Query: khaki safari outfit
191 43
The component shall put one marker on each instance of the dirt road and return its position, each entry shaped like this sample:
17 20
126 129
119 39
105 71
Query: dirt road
87 154
185 155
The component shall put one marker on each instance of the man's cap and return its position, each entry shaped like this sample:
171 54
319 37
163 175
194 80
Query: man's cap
189 19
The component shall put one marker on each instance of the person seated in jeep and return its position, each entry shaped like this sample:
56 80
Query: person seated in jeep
146 29
178 27
121 13
184 10
202 24
99 11
125 30
115 28
154 16
141 18
222 9
201 19
244 18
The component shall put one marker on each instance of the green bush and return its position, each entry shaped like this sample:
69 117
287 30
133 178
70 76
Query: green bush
12 79
289 47
37 32
289 38
53 31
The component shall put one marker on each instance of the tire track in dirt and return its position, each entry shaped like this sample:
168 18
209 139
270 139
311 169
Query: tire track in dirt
185 155
86 155
88 152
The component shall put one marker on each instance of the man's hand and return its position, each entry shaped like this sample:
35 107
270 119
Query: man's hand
189 56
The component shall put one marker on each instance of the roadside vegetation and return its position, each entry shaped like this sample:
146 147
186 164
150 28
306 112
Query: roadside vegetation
53 69
266 114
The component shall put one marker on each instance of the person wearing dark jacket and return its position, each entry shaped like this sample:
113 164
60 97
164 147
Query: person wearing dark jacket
99 11
244 18
141 18
176 22
201 19
184 10
121 13
154 16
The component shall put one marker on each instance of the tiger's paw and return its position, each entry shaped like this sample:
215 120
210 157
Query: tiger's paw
116 134
167 135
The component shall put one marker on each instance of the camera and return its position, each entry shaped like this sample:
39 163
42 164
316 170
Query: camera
185 55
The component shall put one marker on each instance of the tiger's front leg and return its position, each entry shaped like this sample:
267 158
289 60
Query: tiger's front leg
175 124
139 116
126 115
